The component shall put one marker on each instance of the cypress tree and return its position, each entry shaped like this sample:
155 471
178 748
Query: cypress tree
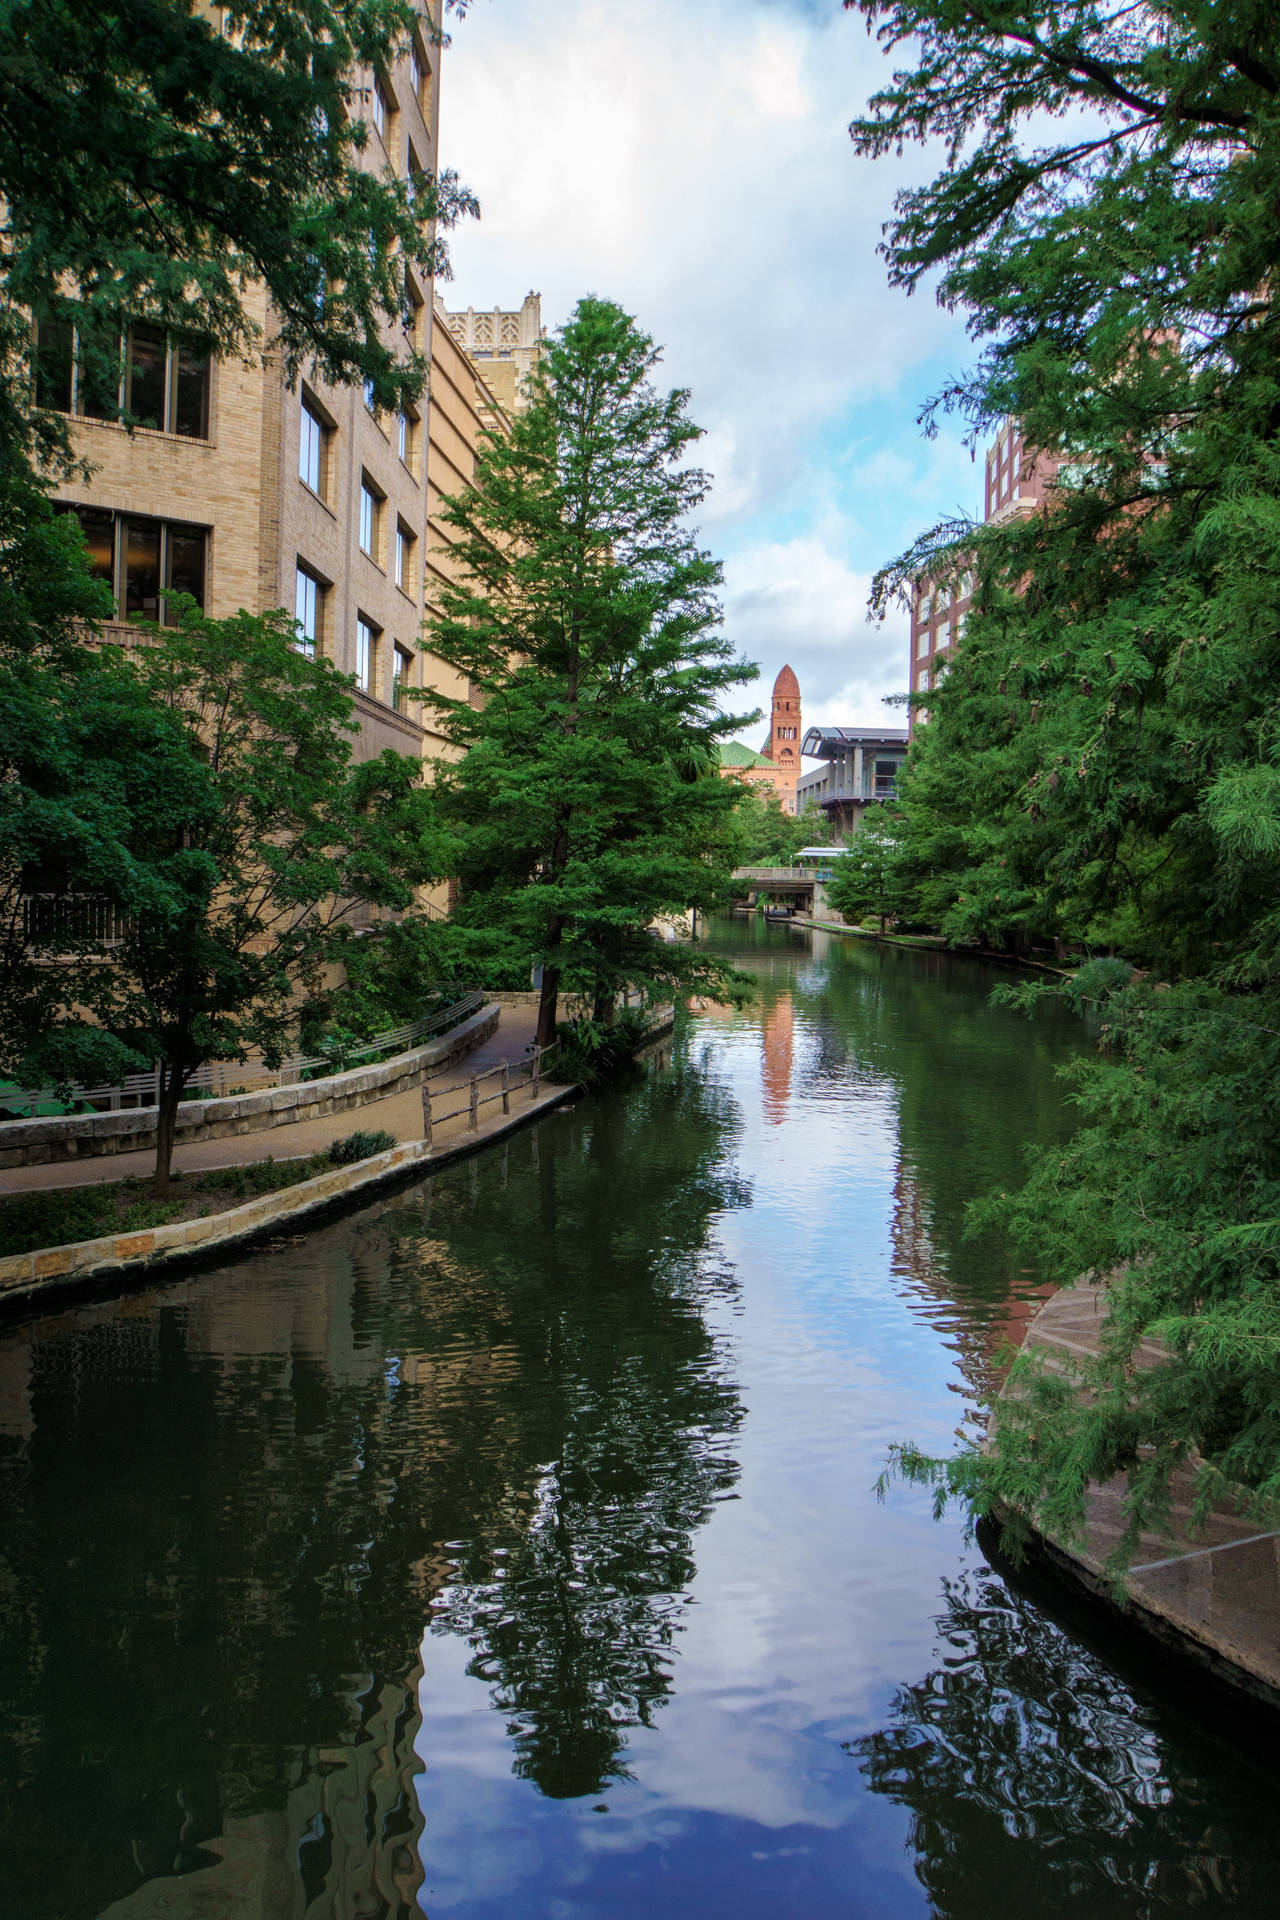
588 803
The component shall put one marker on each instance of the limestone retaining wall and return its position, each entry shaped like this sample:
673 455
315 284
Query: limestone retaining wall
33 1143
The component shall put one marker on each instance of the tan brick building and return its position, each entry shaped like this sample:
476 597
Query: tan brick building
247 493
505 345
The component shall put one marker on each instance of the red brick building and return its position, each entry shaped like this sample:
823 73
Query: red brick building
776 766
1017 482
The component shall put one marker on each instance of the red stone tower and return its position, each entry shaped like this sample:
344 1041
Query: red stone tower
785 734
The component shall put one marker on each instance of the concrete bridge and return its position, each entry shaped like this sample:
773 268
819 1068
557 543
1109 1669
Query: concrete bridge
792 887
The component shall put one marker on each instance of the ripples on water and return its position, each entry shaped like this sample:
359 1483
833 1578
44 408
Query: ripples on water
509 1547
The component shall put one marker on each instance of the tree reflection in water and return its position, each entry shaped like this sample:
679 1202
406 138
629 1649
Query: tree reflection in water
1036 1781
631 1425
228 1505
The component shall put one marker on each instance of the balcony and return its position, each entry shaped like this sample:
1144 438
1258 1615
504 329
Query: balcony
54 923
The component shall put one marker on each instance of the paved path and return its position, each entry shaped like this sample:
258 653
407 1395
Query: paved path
1214 1593
400 1115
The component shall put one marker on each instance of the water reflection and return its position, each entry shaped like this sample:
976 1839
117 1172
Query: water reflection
777 1056
229 1506
542 1492
1037 1781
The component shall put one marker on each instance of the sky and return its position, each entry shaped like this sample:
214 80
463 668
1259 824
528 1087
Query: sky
690 159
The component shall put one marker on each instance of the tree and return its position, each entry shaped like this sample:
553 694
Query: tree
1102 761
156 160
865 879
765 836
588 802
251 854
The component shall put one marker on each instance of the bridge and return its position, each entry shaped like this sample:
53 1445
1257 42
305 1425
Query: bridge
789 886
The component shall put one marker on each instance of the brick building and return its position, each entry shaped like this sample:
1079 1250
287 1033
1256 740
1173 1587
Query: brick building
1017 483
505 345
775 768
247 493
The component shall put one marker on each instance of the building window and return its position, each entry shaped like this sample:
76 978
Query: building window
406 563
313 450
144 561
886 779
370 520
145 376
153 378
419 76
366 653
308 612
415 315
189 392
407 439
55 363
401 674
370 398
379 107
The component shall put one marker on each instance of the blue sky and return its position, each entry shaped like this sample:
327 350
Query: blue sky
691 159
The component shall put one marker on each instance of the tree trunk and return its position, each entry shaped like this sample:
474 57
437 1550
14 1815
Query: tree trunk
548 1006
171 1081
604 1007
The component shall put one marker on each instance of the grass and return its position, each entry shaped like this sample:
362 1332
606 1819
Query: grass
53 1219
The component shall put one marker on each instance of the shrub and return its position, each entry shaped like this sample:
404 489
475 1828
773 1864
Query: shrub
591 1054
359 1146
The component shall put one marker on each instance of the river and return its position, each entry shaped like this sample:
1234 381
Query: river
510 1548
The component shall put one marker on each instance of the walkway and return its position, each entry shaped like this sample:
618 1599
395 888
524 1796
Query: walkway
400 1115
1215 1594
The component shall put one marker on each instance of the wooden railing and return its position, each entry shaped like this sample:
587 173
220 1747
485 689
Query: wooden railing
433 1117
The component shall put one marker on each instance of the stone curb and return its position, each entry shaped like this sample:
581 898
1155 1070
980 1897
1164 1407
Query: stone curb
44 1142
1211 1597
125 1256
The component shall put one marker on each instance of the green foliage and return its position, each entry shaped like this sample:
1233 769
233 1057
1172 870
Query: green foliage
157 159
388 981
1100 765
29 1221
866 879
591 1053
360 1146
588 802
765 836
250 843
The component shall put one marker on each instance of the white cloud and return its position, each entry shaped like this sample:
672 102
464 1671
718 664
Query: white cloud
693 162
800 602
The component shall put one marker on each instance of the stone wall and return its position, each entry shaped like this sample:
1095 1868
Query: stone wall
32 1143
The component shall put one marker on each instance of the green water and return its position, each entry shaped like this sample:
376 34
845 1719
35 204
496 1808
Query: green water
509 1548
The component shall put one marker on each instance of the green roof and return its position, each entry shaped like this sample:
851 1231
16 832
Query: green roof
734 754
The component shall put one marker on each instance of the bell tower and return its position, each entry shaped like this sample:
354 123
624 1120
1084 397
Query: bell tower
785 729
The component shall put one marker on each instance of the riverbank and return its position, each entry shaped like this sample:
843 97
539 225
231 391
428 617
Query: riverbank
928 943
1211 1597
515 1093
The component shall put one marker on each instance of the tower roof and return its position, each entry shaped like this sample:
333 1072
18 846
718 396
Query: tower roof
786 686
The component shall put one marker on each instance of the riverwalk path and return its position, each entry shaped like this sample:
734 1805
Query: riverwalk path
1212 1594
399 1114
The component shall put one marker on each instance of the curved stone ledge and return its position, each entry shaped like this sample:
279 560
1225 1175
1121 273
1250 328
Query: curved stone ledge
1208 1592
121 1257
45 1142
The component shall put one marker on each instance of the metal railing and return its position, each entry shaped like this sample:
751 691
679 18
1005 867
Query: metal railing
78 919
433 1117
217 1079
